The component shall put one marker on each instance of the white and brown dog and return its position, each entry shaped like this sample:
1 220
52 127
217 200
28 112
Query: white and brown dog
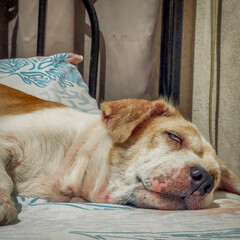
139 152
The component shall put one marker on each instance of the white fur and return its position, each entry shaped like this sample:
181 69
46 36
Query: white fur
39 142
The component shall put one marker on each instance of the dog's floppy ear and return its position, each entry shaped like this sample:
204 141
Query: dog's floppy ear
229 181
121 117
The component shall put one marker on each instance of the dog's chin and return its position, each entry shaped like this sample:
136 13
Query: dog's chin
148 199
197 202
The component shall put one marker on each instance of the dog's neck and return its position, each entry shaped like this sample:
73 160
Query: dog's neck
90 169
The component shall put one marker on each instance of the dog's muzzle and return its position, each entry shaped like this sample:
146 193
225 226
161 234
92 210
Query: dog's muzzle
201 181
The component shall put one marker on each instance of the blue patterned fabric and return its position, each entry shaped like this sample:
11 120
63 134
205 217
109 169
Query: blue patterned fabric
41 219
50 78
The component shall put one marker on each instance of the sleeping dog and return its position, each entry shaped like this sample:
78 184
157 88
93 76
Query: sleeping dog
139 152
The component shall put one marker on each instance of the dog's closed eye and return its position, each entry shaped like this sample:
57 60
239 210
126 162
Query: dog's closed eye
175 138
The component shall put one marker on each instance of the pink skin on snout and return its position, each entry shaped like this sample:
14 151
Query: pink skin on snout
174 182
170 191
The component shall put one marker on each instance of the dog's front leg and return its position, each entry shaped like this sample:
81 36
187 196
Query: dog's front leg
8 212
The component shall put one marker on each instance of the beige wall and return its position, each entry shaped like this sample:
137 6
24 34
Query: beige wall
229 108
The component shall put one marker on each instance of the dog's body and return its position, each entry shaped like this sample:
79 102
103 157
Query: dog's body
141 152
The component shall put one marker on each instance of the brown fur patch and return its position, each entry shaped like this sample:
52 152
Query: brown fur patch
122 117
15 102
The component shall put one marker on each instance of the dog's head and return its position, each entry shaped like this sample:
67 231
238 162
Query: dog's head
159 159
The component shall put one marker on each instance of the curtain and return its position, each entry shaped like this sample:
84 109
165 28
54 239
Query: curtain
130 41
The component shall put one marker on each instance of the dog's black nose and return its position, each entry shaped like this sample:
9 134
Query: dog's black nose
201 181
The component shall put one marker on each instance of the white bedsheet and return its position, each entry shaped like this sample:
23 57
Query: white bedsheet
40 219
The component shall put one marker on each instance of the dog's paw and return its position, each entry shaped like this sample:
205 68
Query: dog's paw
8 212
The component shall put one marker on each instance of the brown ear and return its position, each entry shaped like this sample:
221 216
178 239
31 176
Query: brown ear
121 117
229 181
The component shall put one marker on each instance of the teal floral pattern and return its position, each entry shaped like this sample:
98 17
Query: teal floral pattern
42 71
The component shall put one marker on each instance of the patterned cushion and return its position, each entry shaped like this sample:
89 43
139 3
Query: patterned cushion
53 78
